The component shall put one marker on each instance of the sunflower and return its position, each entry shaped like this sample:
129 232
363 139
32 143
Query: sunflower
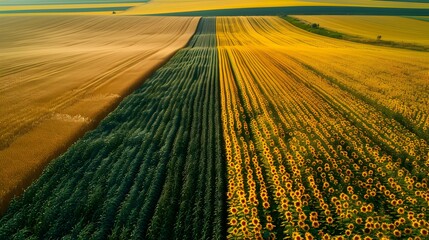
234 210
348 232
266 205
326 237
270 226
315 224
397 233
359 220
255 221
308 236
246 210
356 237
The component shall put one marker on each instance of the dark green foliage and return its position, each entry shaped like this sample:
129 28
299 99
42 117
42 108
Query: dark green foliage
153 169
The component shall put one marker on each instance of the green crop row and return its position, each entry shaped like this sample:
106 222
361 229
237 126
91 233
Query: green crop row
152 169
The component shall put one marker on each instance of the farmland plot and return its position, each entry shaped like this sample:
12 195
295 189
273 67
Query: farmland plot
152 169
257 124
60 75
307 157
397 29
175 6
66 7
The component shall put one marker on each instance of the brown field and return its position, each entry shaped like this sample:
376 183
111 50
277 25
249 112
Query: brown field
60 75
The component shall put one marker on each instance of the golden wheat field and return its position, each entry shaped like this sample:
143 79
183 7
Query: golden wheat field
61 75
307 156
398 29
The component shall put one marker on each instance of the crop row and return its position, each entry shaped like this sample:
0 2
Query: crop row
394 81
242 127
153 168
305 158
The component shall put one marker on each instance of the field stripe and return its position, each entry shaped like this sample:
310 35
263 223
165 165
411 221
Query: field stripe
55 107
152 169
66 10
304 10
304 156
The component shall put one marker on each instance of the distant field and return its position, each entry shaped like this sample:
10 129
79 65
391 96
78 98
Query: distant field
60 75
421 18
54 2
176 6
67 10
398 29
224 7
67 7
300 10
417 1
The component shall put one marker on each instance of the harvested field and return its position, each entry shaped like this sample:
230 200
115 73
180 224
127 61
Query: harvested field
60 75
61 2
99 10
65 8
